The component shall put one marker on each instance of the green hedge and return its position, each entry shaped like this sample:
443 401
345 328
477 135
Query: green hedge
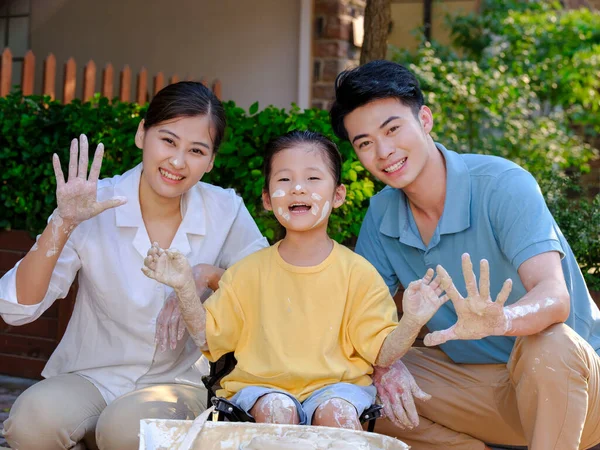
34 127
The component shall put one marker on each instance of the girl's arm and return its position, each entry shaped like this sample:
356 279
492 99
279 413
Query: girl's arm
76 200
172 268
170 325
420 302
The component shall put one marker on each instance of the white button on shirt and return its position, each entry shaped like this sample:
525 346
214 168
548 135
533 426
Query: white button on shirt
110 337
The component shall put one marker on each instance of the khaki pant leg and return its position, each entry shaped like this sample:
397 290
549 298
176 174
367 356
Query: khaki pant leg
556 375
119 425
471 404
55 414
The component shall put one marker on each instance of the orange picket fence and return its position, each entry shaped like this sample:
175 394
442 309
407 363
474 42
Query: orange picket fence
88 82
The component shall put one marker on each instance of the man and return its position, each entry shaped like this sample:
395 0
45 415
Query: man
527 373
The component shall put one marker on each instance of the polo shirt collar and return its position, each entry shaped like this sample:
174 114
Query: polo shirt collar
456 217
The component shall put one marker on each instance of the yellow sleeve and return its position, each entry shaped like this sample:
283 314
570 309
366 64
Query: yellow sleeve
373 316
224 319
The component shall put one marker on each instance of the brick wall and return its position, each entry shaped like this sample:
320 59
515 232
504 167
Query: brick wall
333 45
25 349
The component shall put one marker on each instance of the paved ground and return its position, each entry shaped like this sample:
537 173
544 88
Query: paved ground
10 389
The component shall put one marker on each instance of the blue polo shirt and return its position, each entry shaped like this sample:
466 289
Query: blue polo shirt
495 210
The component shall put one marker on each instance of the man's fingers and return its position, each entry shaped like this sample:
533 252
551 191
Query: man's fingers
96 163
484 279
504 292
73 160
469 276
58 173
83 157
439 337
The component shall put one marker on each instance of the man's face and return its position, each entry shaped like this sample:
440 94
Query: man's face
390 141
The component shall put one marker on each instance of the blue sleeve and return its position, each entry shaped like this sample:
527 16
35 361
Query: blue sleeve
522 223
370 247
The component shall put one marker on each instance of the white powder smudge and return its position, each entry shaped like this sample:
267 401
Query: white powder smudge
34 248
57 222
323 214
298 187
537 360
550 368
549 302
314 209
316 196
521 311
278 194
283 214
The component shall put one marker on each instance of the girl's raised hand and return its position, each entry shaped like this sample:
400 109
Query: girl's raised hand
76 198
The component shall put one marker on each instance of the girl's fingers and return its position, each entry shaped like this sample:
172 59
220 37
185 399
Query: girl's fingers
428 276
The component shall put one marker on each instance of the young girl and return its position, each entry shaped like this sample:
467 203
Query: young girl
107 373
307 318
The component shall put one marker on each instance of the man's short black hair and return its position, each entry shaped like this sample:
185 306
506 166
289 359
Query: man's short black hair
373 81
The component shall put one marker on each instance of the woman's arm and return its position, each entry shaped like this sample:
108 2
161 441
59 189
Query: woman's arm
76 200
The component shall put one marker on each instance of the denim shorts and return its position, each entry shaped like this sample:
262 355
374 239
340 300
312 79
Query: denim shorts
361 397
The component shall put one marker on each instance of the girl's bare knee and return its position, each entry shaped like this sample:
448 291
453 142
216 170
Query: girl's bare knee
275 408
337 413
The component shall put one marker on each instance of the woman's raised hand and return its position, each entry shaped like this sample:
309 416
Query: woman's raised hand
76 198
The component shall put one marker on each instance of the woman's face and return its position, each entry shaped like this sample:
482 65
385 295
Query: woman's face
176 153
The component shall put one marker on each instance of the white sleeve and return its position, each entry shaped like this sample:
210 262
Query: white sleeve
63 275
243 239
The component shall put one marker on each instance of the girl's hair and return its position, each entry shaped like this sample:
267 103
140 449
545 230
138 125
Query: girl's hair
187 99
297 137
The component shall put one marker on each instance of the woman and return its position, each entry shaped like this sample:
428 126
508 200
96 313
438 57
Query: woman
107 372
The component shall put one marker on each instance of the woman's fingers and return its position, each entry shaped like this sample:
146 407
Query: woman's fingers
58 173
96 164
83 157
73 161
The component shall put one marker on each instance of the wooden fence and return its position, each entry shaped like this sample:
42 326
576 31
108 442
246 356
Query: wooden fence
88 84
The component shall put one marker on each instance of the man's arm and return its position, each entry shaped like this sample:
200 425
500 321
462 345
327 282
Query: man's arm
547 300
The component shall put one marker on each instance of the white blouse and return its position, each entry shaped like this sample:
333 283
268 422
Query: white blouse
110 337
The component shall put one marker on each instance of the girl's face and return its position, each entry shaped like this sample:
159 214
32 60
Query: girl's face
176 153
302 190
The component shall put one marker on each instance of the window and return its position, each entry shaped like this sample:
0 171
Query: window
14 32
